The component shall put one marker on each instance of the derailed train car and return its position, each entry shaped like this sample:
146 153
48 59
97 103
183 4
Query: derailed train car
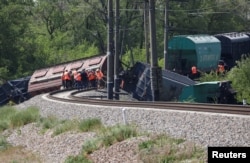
15 91
219 92
49 78
46 79
139 84
176 87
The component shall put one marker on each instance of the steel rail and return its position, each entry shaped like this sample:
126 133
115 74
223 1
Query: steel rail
199 107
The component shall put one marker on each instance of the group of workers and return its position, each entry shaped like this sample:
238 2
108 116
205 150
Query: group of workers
195 72
82 79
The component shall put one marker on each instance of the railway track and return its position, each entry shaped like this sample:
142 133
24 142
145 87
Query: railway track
74 96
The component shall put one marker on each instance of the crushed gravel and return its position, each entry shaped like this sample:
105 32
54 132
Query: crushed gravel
206 129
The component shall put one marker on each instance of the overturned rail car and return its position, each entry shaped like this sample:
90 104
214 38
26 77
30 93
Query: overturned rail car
176 87
139 83
209 92
49 78
14 90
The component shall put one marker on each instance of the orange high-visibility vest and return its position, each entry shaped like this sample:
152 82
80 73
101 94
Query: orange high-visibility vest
221 68
194 70
66 76
99 75
78 77
91 76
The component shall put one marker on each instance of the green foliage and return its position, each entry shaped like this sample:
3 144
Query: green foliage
89 125
49 122
146 144
36 34
117 133
5 114
132 56
108 136
77 159
161 148
3 143
240 77
212 76
3 74
65 126
24 117
123 132
10 117
91 145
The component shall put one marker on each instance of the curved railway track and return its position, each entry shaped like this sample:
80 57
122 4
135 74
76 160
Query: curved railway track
74 97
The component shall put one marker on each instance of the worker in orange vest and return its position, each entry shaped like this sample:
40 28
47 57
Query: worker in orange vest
99 78
78 80
194 72
221 69
92 78
63 80
66 78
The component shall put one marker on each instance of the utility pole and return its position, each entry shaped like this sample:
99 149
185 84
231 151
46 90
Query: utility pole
166 35
146 30
155 71
110 56
117 62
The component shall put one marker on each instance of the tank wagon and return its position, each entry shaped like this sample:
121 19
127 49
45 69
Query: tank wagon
185 51
49 78
233 45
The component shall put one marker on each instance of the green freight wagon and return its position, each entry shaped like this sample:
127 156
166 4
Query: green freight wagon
185 51
219 92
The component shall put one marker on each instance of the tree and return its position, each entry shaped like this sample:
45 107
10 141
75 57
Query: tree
240 77
14 28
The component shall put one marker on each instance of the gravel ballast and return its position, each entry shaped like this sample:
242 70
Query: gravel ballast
208 129
205 129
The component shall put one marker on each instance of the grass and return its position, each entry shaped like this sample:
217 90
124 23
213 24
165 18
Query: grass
12 118
159 148
77 159
90 125
18 155
164 149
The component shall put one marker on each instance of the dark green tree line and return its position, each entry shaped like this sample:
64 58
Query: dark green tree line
35 34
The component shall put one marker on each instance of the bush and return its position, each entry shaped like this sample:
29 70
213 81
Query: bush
66 126
89 125
50 122
117 133
91 145
240 76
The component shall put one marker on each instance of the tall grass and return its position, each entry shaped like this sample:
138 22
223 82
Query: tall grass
162 148
77 159
90 125
24 117
108 136
11 118
3 143
66 125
